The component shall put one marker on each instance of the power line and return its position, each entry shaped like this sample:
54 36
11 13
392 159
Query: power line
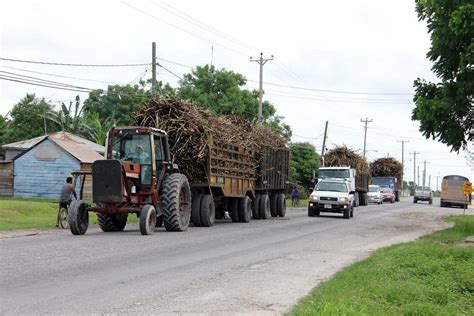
177 76
73 65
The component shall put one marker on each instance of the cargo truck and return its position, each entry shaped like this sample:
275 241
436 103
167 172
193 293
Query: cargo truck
390 182
359 183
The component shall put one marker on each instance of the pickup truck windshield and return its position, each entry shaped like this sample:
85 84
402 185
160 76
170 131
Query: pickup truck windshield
331 186
334 173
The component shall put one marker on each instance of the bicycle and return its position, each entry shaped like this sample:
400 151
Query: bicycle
295 202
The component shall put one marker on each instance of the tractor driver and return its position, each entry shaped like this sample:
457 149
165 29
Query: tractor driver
141 156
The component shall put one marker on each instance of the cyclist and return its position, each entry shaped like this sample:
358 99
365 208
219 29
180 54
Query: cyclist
65 197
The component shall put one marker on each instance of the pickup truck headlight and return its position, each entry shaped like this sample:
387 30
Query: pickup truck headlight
314 198
343 199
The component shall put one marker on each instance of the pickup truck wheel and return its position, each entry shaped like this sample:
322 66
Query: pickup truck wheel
415 201
273 205
245 209
147 220
317 213
311 212
347 214
208 210
196 210
281 205
264 207
234 210
255 207
352 211
78 217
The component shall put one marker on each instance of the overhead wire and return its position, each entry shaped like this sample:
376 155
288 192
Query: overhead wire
72 65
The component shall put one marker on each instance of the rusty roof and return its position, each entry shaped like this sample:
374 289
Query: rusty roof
81 148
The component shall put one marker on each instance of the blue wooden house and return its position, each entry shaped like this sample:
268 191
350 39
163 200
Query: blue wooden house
42 165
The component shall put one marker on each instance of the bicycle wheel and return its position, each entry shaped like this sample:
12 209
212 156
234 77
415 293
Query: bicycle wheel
63 218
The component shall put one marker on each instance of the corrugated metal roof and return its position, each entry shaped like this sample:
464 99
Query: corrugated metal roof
81 148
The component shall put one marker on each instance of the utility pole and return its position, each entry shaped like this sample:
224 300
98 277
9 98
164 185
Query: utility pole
424 172
366 121
403 159
414 168
153 69
261 61
324 142
418 174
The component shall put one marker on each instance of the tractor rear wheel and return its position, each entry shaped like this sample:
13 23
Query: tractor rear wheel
255 204
78 217
147 220
264 207
176 201
196 210
208 210
112 222
233 205
245 209
281 205
273 205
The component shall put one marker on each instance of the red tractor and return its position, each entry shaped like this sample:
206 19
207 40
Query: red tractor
137 177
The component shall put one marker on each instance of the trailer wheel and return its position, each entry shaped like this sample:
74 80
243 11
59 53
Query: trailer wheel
255 205
233 205
356 199
208 210
397 196
196 210
147 220
176 201
112 222
78 217
273 205
264 207
363 199
281 205
245 209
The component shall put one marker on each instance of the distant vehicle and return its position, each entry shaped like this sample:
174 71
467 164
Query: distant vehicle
388 195
332 195
452 193
375 194
391 182
359 183
423 194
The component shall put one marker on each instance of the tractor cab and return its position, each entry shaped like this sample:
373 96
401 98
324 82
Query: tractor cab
143 152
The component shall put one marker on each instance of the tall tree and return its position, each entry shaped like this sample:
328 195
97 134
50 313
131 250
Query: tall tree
120 101
28 119
304 160
69 118
3 131
223 92
445 109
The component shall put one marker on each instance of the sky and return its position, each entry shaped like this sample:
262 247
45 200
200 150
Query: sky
335 61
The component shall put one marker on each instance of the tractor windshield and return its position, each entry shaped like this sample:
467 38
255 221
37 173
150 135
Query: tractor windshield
132 147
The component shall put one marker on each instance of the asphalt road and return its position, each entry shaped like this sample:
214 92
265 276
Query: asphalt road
263 267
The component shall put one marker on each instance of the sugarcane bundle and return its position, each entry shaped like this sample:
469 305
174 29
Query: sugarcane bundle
343 156
191 129
386 167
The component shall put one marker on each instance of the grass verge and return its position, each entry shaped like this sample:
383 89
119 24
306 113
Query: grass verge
431 276
18 213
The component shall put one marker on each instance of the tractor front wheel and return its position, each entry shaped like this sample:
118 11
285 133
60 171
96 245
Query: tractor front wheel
176 201
78 217
147 220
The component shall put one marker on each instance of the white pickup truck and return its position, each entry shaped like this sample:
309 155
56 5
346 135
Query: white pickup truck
423 194
332 195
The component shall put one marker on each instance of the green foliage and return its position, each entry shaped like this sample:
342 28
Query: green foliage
97 128
303 161
445 109
27 119
69 119
431 276
120 102
3 131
